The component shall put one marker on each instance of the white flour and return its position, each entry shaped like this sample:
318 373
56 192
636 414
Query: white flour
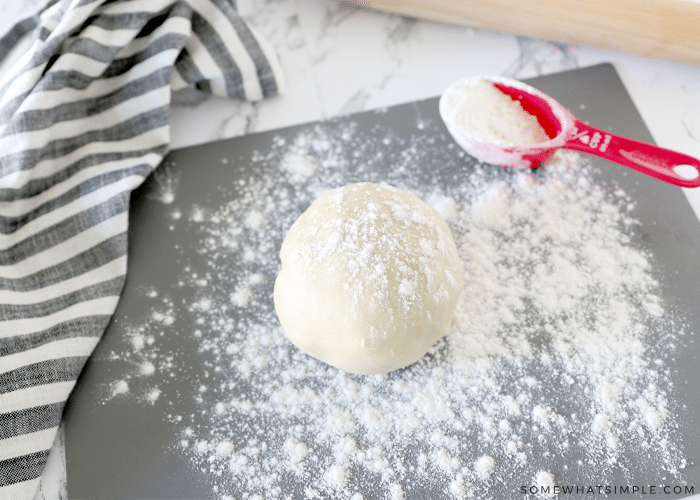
479 108
557 354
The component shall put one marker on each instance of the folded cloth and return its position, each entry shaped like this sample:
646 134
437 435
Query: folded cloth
85 88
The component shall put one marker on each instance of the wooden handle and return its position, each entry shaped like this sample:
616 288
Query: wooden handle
665 29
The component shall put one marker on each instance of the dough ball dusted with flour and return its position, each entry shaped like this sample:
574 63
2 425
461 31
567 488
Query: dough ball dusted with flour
370 279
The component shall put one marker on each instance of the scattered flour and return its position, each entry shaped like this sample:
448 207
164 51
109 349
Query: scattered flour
484 466
167 181
147 368
446 206
120 387
299 166
558 353
153 395
545 482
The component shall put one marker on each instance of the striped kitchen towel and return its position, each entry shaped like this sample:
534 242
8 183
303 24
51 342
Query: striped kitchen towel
85 89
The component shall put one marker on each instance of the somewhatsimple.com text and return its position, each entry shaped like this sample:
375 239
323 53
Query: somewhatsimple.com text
651 489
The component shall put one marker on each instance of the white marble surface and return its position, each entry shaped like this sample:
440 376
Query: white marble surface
339 59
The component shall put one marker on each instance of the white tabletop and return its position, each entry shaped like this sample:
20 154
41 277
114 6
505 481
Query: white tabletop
339 59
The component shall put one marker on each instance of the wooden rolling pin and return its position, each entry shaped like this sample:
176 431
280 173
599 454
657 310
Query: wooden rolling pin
664 29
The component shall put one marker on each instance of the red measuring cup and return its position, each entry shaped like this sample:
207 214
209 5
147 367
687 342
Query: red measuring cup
567 131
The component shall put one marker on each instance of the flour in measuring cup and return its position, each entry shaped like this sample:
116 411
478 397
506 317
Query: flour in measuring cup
477 107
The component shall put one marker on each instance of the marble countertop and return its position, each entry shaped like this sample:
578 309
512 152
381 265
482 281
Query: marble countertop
340 59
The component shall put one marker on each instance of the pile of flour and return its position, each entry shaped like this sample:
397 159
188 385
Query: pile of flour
476 106
555 368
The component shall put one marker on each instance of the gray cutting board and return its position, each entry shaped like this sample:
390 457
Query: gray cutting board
123 449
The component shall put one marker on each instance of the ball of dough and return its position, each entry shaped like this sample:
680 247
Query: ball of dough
370 279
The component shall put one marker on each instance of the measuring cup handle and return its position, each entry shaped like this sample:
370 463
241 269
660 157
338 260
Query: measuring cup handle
652 160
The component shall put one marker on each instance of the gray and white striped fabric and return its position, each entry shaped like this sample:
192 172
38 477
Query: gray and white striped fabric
85 88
